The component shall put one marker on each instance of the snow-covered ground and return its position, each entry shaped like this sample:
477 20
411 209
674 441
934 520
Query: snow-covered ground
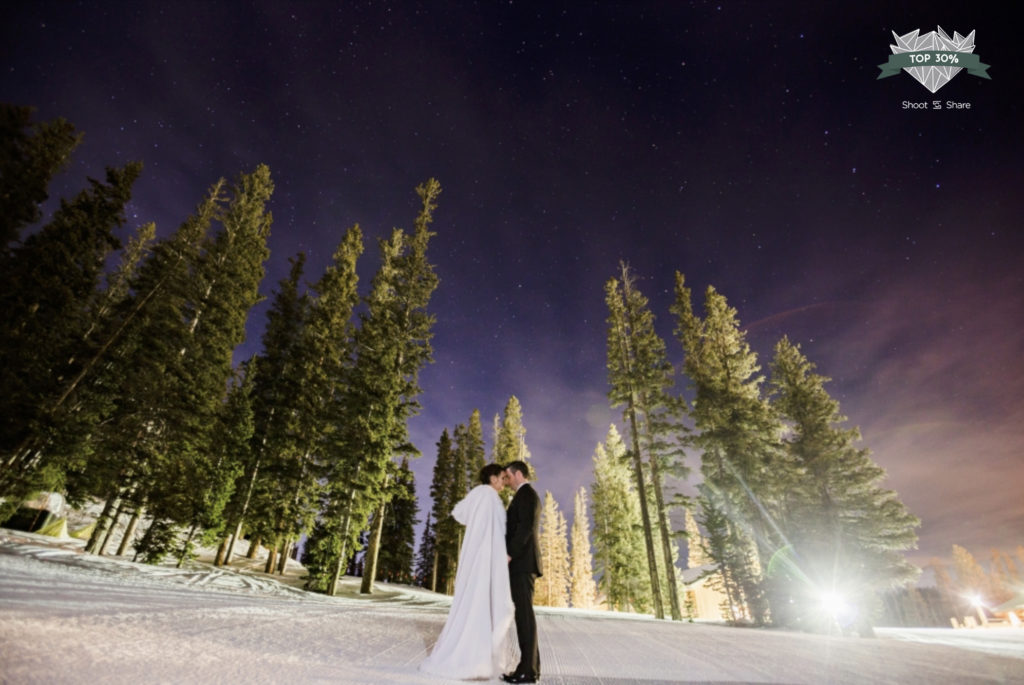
67 617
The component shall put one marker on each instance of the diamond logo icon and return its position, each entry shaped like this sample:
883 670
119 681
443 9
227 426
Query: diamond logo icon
933 58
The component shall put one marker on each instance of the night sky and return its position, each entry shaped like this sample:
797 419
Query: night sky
748 145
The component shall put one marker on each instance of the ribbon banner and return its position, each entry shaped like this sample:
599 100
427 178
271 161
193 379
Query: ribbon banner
934 58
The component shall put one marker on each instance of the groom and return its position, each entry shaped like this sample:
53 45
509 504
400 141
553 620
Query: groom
522 545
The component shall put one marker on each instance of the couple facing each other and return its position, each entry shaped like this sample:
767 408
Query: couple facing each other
498 563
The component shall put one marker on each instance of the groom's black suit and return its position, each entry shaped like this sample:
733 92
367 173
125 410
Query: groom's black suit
523 546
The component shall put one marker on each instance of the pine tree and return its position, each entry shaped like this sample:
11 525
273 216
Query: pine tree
231 446
618 537
398 538
552 588
30 155
475 452
77 422
50 285
1002 576
511 440
223 288
134 387
970 578
445 531
742 462
392 344
311 472
845 530
495 438
277 386
583 590
423 574
459 480
728 550
640 375
695 556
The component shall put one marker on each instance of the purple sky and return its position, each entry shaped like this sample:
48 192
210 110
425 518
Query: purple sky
748 145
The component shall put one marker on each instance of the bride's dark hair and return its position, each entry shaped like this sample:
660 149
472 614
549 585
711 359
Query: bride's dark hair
488 471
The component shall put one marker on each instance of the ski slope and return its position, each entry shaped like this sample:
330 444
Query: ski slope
67 617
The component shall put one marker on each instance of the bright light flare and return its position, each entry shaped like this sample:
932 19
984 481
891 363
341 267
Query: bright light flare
834 604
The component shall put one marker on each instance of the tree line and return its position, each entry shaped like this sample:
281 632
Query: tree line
119 385
793 511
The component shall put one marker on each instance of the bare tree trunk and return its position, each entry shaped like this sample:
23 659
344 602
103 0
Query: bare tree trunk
666 542
184 545
370 560
254 546
271 558
129 532
282 560
433 574
340 563
221 551
645 516
110 529
627 355
231 546
146 537
101 523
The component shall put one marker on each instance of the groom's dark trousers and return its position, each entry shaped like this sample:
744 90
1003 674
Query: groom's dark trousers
523 545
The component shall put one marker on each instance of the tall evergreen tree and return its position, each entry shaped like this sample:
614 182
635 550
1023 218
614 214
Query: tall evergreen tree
31 153
423 575
552 588
230 450
969 576
134 387
583 590
398 537
845 530
640 376
473 443
742 462
392 344
446 529
224 287
50 285
511 439
695 554
495 438
618 536
729 551
312 470
277 387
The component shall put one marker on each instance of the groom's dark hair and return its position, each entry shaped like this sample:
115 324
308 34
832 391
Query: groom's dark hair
488 471
519 466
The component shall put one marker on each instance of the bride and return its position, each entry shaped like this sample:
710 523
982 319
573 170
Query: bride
479 639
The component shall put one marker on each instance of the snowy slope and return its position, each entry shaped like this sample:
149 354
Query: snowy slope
66 617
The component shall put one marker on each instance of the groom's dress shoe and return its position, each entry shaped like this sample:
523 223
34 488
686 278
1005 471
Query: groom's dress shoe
519 678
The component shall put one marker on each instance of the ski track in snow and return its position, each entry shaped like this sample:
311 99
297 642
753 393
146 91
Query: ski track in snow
68 617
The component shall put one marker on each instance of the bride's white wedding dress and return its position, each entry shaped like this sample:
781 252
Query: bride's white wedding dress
478 639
